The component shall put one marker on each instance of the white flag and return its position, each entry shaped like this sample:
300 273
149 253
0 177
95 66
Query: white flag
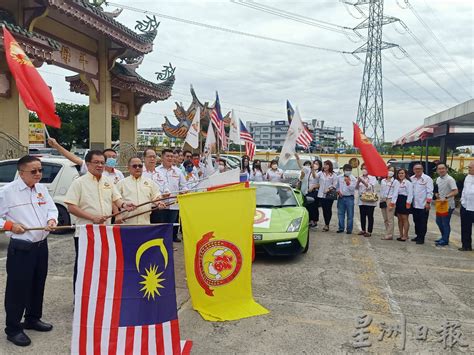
192 138
210 144
295 130
234 132
217 178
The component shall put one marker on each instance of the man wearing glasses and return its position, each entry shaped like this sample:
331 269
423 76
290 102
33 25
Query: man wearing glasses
422 197
138 189
25 203
93 197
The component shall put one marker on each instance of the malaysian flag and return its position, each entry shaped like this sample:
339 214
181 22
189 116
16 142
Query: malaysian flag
125 300
248 139
218 121
305 138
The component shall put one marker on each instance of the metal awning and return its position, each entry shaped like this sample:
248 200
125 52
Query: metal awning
417 135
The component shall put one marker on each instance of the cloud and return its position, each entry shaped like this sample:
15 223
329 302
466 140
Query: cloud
255 77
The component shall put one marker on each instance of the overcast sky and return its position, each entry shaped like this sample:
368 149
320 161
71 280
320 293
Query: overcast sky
255 77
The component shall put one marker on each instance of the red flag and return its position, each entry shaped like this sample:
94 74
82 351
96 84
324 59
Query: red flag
374 163
34 92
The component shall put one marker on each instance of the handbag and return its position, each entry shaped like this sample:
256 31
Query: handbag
331 194
369 196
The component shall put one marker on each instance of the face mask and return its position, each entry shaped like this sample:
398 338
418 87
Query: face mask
274 166
257 166
390 174
364 172
196 162
111 162
189 169
347 173
221 167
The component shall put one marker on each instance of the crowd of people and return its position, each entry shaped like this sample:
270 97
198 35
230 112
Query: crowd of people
103 195
397 195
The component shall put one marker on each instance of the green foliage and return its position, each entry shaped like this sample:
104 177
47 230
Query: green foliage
74 125
389 150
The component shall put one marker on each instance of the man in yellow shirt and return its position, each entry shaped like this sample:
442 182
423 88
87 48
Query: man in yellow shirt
138 189
93 197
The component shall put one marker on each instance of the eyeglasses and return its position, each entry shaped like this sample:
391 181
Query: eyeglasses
150 156
34 171
137 166
98 162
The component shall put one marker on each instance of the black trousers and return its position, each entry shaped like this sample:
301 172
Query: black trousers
367 214
27 267
74 277
313 208
467 218
326 205
168 216
420 218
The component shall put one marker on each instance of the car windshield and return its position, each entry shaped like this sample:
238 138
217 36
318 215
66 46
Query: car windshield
275 196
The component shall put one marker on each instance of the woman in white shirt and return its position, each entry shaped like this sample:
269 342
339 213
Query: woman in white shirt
366 183
313 186
245 168
401 200
327 183
256 174
274 174
386 194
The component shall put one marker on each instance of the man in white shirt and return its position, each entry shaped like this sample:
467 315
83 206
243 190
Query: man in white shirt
422 197
170 181
346 184
467 210
446 190
25 203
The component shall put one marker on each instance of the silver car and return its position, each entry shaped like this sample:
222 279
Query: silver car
291 169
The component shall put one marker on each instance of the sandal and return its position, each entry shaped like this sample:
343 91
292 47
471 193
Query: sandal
326 228
361 233
367 235
401 239
387 238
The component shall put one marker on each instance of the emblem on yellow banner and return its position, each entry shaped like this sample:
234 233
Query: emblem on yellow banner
217 262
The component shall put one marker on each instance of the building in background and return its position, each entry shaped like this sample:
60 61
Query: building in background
156 137
271 135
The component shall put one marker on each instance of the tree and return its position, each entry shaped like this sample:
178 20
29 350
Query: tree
74 125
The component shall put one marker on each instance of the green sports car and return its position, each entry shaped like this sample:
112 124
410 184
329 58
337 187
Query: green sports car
281 220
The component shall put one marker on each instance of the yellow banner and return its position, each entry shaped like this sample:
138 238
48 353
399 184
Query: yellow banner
218 232
36 134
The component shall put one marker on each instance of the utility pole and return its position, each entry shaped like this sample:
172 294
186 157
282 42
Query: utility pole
370 116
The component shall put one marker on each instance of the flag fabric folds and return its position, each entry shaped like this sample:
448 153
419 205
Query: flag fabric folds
218 252
125 299
305 138
218 121
248 139
33 90
192 137
296 133
234 132
376 166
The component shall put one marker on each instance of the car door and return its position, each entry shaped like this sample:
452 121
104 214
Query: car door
7 172
51 176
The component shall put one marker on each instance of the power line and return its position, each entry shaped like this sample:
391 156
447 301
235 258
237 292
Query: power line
223 29
436 38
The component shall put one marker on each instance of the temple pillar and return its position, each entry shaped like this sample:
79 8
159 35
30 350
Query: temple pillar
14 116
100 109
128 126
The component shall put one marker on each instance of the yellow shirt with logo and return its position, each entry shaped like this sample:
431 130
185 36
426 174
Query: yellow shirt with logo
138 191
92 195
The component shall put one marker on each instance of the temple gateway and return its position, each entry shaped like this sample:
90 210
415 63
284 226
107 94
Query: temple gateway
81 36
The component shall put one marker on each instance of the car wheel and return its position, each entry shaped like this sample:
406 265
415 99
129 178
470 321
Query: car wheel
305 250
64 219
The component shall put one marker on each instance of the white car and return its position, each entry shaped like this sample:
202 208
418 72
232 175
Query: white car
292 171
58 175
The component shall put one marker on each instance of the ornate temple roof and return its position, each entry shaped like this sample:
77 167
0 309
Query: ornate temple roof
105 23
123 77
186 116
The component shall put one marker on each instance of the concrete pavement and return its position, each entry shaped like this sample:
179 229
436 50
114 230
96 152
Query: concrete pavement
314 299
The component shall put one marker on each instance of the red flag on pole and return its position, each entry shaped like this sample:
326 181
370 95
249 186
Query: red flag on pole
374 163
34 92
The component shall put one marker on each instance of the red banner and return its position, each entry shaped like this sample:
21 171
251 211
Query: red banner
34 92
374 163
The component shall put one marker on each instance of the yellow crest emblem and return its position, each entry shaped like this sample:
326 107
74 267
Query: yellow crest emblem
17 54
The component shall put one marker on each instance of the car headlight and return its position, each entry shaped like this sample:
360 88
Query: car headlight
295 225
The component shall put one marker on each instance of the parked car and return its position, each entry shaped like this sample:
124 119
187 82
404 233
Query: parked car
281 220
409 164
291 169
230 160
58 174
